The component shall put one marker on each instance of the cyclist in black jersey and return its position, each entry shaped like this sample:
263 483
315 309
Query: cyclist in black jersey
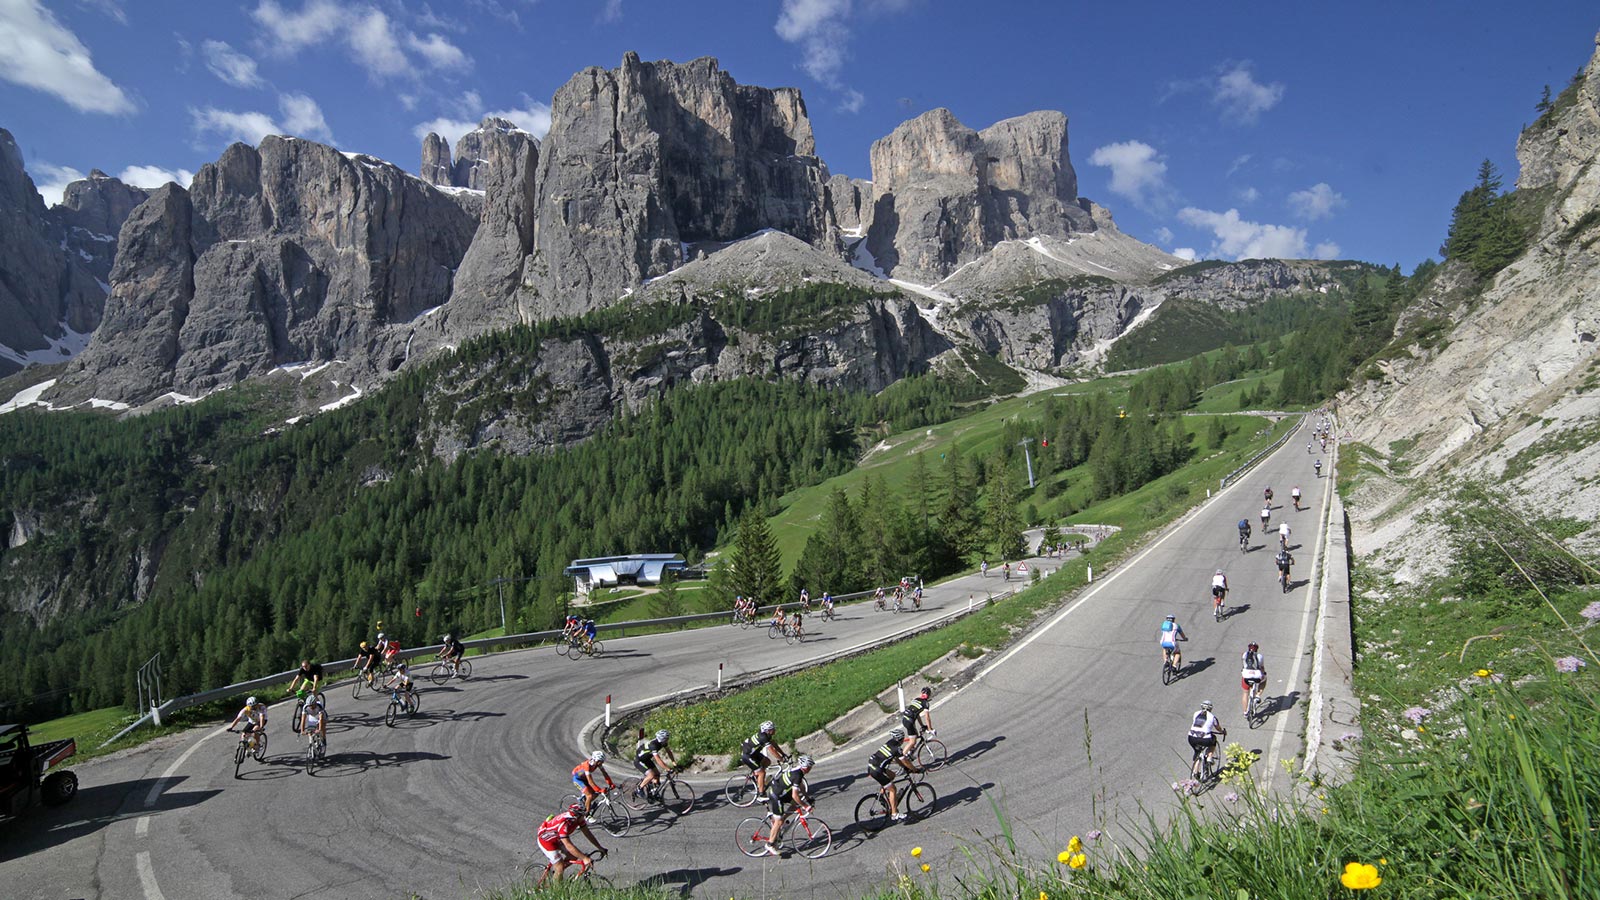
309 675
648 757
790 789
760 750
367 660
916 719
451 650
880 765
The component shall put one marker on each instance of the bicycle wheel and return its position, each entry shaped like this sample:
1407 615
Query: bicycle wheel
238 758
595 648
872 813
390 714
464 669
1169 673
931 755
613 817
298 717
740 791
633 796
790 636
773 631
311 756
1285 580
918 801
812 837
355 687
440 673
677 797
564 648
751 836
261 747
413 703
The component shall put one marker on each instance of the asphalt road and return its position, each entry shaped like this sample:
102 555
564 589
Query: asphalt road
443 806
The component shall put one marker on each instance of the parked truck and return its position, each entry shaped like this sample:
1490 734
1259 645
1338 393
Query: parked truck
30 773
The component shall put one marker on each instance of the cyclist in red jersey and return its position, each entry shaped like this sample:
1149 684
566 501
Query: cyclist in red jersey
554 837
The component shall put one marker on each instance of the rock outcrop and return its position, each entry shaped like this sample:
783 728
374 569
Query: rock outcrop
91 213
850 200
945 194
49 297
483 150
289 253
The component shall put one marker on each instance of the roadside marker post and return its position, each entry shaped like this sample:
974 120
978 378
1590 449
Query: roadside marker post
608 710
1090 570
900 690
719 676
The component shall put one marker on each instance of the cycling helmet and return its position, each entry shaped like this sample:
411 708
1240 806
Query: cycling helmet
314 702
768 727
804 762
662 735
363 645
1206 705
1172 618
597 757
380 635
401 667
575 809
1254 646
251 702
1219 571
927 691
897 734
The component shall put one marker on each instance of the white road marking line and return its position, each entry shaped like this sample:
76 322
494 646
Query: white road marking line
155 789
142 827
147 877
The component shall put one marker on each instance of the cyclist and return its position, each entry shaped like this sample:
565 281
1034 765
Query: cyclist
452 650
1204 729
1171 634
827 603
554 837
1318 466
789 789
310 675
572 629
805 598
1007 568
916 719
390 648
1252 675
916 596
780 618
1296 495
315 720
880 767
1285 562
583 776
758 750
1308 446
1283 535
254 717
589 631
1266 517
1266 496
401 688
983 568
367 661
649 757
1219 586
797 626
1244 532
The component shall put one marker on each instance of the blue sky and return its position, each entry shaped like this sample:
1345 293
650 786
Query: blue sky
1223 129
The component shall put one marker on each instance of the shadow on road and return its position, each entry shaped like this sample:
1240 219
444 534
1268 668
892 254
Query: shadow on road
683 881
338 765
1196 666
1232 611
477 678
95 807
975 750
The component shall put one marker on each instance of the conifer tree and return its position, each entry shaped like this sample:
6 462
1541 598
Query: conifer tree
1002 523
756 566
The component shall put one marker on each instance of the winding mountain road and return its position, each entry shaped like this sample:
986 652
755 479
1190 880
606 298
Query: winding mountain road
442 806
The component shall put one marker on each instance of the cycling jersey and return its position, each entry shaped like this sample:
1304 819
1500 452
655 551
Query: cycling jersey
312 671
453 647
1169 635
780 790
754 749
1252 667
311 721
556 828
583 773
255 715
1204 727
1219 581
911 716
644 756
366 654
1284 529
1284 560
880 765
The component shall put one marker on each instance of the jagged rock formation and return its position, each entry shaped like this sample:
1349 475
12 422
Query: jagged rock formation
639 161
485 149
288 253
91 212
850 200
945 194
49 293
1507 394
436 169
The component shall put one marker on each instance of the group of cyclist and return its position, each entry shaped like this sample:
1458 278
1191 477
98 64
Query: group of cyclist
1283 559
579 632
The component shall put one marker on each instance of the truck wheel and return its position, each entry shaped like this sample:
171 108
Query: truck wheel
59 787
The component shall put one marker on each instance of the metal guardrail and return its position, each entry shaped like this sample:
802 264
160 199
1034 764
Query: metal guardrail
1251 462
620 629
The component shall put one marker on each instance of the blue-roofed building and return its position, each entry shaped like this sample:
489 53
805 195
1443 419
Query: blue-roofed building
610 571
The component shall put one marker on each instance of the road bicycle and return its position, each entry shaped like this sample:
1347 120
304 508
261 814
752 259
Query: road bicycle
1218 608
445 669
776 630
578 873
401 703
316 750
570 645
1283 578
251 744
371 680
1169 669
300 708
1244 542
608 811
672 794
806 834
1256 713
880 602
828 613
794 634
929 755
741 789
916 798
744 618
1210 771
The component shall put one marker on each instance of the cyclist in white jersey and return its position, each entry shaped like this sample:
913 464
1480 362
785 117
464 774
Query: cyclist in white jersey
1252 672
1296 495
1283 535
1219 585
1266 515
1204 729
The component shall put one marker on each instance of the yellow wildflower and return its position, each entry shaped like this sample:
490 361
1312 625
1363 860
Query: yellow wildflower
1382 861
1075 845
1062 856
1077 861
1483 673
916 851
924 867
1360 876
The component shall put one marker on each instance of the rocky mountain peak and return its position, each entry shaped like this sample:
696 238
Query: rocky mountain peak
945 194
493 143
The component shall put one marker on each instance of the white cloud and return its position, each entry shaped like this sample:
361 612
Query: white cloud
52 180
1164 234
302 117
1315 202
1239 162
377 43
852 101
440 53
152 177
611 11
533 117
1137 172
36 51
1326 250
111 9
230 65
1240 239
1241 97
823 30
1186 253
1248 195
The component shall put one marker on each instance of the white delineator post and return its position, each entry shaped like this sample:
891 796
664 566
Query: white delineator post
1090 570
901 691
719 676
608 710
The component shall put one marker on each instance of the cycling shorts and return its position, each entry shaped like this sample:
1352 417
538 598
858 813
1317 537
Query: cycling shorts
1246 683
252 726
1202 744
755 761
1218 590
646 764
777 803
555 854
881 775
582 782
